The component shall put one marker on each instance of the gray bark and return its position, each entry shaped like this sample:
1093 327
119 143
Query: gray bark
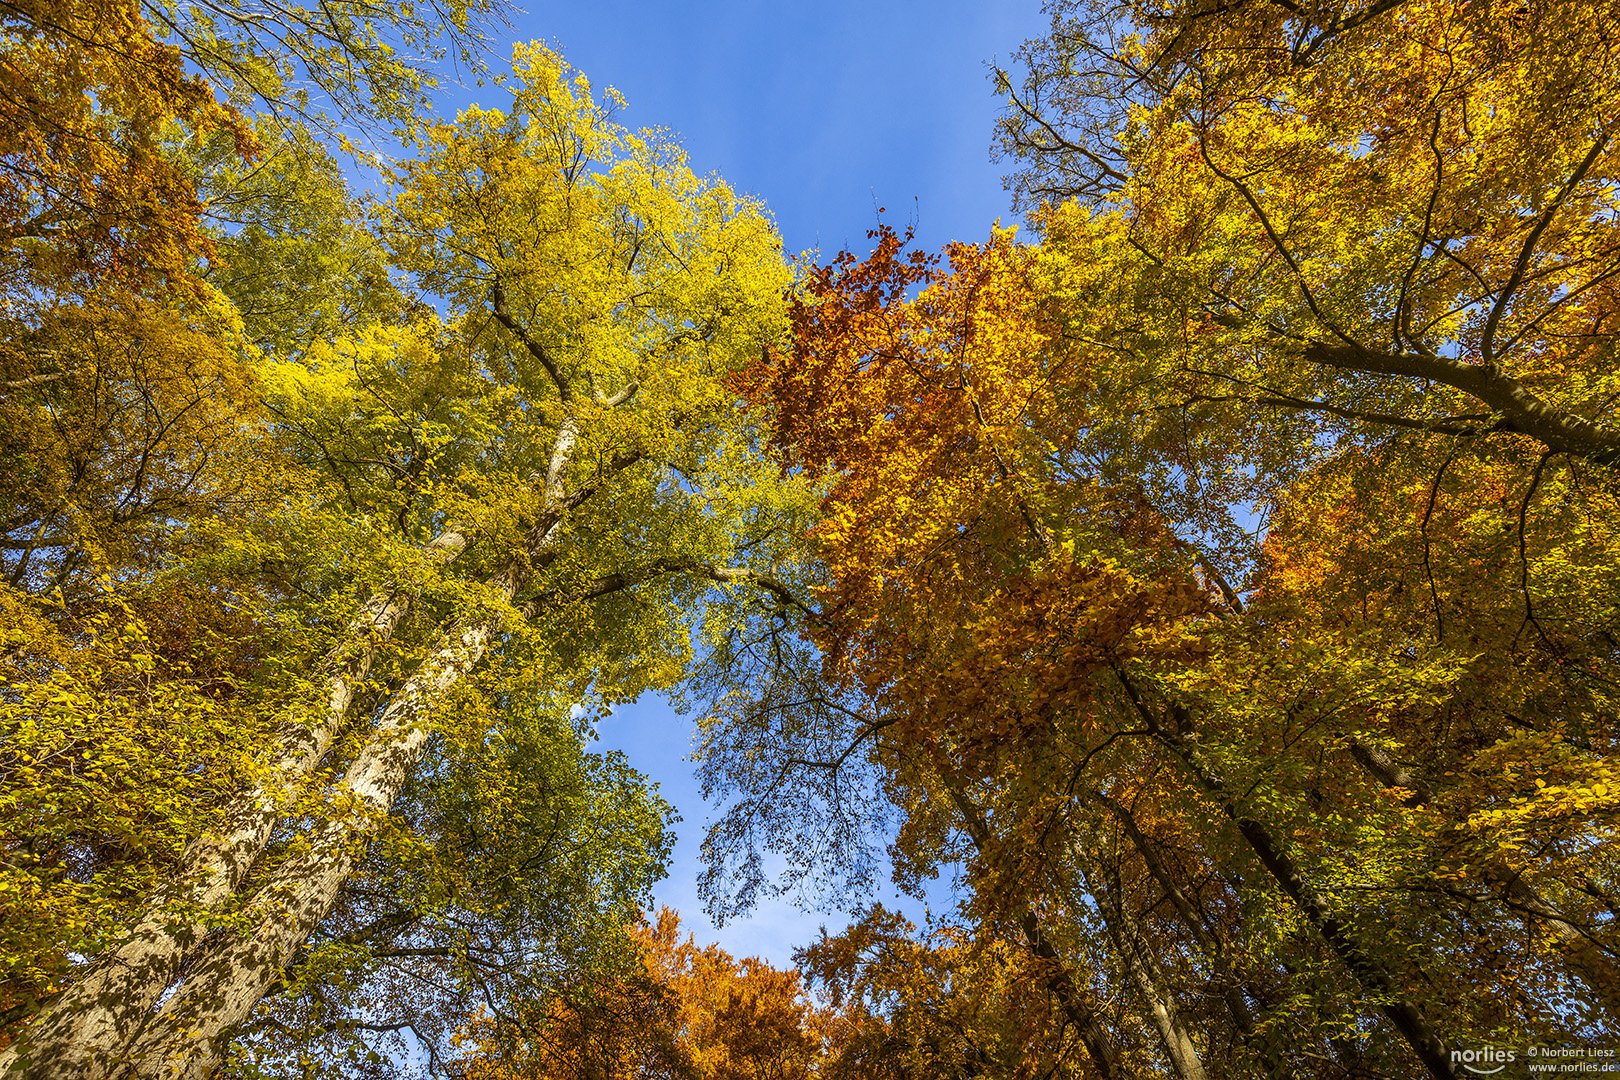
1214 949
1273 854
1174 1034
189 1035
1142 972
83 1028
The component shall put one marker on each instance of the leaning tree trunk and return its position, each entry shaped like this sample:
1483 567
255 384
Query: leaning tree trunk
1583 954
1147 980
1174 1034
189 1035
1273 855
105 1026
77 1034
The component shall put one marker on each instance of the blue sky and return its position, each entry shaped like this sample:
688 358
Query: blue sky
826 112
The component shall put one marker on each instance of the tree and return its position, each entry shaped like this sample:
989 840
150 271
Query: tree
1378 240
119 370
1204 791
514 510
680 1010
92 187
954 1005
1368 216
122 191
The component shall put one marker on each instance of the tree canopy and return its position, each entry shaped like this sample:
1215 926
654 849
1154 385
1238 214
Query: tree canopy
1216 576
1223 578
341 539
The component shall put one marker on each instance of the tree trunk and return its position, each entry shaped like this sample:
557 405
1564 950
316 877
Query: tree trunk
189 1035
1059 982
1214 949
1142 972
77 1035
1383 988
108 1028
1585 955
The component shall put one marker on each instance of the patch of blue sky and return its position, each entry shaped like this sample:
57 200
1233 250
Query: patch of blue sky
826 113
658 742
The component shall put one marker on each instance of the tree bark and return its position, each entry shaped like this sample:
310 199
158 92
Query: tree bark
105 1026
1521 411
233 970
1059 981
1587 958
1382 987
188 1037
80 1031
1215 950
1142 972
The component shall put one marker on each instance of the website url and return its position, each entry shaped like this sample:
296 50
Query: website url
1538 1068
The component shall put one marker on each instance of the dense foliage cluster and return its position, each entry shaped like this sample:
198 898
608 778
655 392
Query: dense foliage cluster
1225 580
333 526
677 1010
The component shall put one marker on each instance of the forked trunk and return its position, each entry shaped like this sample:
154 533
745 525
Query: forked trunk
81 1030
105 1026
189 1035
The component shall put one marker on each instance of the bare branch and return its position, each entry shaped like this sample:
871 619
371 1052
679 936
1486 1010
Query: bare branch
497 300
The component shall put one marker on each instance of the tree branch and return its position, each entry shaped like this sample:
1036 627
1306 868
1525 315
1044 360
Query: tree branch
1521 411
621 580
497 301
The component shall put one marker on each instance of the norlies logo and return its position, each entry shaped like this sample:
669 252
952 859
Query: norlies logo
1485 1061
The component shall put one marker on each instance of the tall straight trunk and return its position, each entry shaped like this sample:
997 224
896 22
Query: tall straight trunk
1273 854
1214 949
78 1034
188 1036
1583 954
1060 982
1099 1045
1146 978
